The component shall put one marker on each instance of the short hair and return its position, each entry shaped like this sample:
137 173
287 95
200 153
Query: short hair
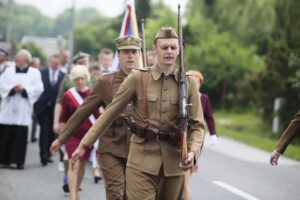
105 51
198 75
55 56
26 54
36 60
94 67
78 71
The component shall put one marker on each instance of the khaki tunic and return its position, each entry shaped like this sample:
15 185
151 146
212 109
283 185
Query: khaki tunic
289 134
163 112
115 139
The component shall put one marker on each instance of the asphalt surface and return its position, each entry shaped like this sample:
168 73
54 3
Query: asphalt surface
227 171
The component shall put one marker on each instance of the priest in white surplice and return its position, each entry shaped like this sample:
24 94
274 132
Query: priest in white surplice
20 86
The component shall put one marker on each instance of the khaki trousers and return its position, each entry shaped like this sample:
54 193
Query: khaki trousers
144 186
113 169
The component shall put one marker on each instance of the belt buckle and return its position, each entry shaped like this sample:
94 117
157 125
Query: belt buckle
157 137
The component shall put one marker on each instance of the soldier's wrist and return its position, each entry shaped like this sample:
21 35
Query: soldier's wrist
276 153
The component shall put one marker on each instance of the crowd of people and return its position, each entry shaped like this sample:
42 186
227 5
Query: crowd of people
125 120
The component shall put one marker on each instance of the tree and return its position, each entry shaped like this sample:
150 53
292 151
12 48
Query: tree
282 71
224 60
143 10
35 52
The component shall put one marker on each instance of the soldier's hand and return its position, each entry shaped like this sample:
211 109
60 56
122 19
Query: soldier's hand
189 162
55 146
77 154
274 157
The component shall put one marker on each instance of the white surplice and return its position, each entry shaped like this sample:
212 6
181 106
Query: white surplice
15 109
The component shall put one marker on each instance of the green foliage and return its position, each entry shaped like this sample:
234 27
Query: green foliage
143 10
281 76
161 15
215 50
249 128
35 52
27 20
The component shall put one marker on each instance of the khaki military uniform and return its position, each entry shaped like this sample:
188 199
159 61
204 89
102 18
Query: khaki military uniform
153 166
114 143
289 134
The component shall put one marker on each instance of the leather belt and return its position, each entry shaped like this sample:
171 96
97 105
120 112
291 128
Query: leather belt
149 132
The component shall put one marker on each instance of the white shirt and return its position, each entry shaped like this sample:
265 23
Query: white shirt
15 109
53 77
104 70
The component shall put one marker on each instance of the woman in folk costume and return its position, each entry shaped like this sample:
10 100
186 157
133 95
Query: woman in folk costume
20 87
72 99
210 121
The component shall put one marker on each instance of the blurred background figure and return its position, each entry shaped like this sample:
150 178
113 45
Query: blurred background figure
83 59
71 101
3 65
35 63
64 57
44 107
3 57
210 121
20 87
95 73
150 58
105 59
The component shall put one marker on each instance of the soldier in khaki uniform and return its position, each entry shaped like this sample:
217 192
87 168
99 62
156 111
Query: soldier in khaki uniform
287 137
153 167
114 143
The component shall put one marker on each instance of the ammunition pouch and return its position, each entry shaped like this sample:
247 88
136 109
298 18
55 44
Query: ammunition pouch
149 132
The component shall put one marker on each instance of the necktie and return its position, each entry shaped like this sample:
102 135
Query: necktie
53 78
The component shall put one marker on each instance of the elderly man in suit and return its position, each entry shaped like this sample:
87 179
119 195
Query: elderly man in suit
44 107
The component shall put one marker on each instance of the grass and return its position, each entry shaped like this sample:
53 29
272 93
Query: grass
250 129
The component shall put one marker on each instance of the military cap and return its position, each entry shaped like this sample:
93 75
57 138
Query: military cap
166 32
128 42
80 55
3 52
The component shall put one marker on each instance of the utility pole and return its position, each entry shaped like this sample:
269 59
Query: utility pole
8 21
71 37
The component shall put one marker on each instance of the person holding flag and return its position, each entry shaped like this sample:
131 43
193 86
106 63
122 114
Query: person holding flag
129 27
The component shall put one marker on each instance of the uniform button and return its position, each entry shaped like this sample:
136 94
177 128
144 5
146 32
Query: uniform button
165 89
163 122
129 104
164 110
164 99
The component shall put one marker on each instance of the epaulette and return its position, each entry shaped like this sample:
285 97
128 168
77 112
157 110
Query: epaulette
188 74
108 74
144 69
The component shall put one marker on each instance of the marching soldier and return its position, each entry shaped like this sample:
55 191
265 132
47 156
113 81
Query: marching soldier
114 143
154 169
287 137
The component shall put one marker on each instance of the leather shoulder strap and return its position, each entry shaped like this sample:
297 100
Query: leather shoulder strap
144 79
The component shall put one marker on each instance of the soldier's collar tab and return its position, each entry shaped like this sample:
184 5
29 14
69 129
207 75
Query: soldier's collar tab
156 73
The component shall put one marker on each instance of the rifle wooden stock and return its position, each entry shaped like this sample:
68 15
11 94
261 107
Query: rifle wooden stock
183 94
144 51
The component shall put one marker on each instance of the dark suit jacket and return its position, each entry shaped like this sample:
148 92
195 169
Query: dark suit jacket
49 95
289 134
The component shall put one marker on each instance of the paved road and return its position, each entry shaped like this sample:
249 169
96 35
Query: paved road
228 171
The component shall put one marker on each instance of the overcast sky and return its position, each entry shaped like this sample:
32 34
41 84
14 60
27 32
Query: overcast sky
110 8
